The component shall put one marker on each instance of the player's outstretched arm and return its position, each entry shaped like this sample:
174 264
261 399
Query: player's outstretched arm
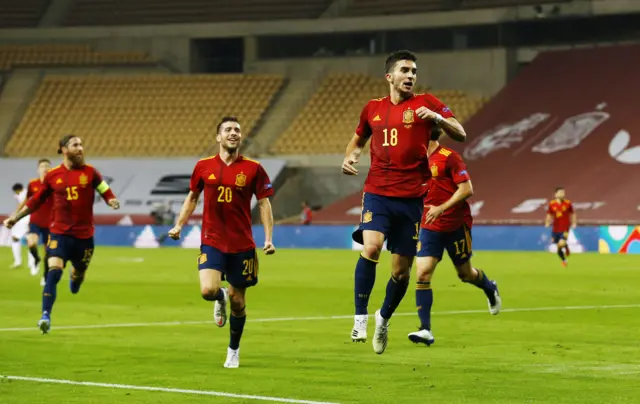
352 154
188 207
15 218
464 191
266 215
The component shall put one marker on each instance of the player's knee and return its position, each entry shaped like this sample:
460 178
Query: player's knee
372 251
237 302
209 292
424 273
466 273
32 242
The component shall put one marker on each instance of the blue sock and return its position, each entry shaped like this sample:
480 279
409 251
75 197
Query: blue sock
395 292
50 287
236 326
561 253
483 282
365 279
75 280
424 301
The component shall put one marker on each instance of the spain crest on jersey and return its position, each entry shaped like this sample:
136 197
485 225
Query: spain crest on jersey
434 170
241 180
83 180
407 117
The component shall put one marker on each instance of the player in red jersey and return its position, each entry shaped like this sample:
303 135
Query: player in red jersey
228 251
72 187
560 212
39 220
446 224
399 127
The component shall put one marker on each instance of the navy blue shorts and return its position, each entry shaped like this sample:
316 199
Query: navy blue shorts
42 232
397 218
77 250
239 269
457 243
557 236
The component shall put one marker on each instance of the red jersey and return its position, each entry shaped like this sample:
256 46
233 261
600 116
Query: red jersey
561 212
44 215
73 193
398 144
447 171
226 220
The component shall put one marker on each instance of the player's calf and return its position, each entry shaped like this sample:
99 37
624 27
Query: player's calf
236 326
424 299
478 278
76 278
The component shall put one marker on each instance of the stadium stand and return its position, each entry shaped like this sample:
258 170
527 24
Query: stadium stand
131 12
23 13
150 115
382 7
51 55
331 114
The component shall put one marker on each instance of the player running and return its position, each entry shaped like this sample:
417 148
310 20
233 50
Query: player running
19 231
39 220
446 224
399 127
228 251
72 187
560 212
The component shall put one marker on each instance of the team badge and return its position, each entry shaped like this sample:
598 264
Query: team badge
241 180
434 170
419 246
407 117
367 217
83 180
202 258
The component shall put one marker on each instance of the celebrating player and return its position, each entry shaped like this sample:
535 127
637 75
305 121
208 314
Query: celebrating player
228 250
399 126
560 212
446 224
19 231
72 187
39 220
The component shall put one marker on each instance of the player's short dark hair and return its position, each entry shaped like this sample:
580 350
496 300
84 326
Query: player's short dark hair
225 120
17 187
397 56
44 160
64 142
559 188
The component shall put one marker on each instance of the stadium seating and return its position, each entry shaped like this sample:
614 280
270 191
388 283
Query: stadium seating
133 12
21 13
150 115
48 55
383 7
328 121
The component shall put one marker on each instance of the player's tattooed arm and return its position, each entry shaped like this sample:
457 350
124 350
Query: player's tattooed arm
188 207
266 214
352 155
15 218
464 191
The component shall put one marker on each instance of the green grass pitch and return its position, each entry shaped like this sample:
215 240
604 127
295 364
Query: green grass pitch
566 336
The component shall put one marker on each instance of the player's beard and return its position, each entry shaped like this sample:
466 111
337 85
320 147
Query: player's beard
77 160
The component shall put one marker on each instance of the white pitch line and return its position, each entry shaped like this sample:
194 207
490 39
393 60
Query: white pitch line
163 389
316 318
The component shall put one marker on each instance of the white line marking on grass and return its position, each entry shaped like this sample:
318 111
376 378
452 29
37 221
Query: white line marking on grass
162 389
316 318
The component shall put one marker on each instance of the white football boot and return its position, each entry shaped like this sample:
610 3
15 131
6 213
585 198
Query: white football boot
233 358
422 337
220 309
359 331
380 336
497 305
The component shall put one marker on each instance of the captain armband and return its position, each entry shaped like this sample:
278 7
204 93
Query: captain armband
102 187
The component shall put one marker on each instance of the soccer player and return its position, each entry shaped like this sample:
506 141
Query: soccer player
228 250
72 187
560 212
399 127
19 231
39 220
446 224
